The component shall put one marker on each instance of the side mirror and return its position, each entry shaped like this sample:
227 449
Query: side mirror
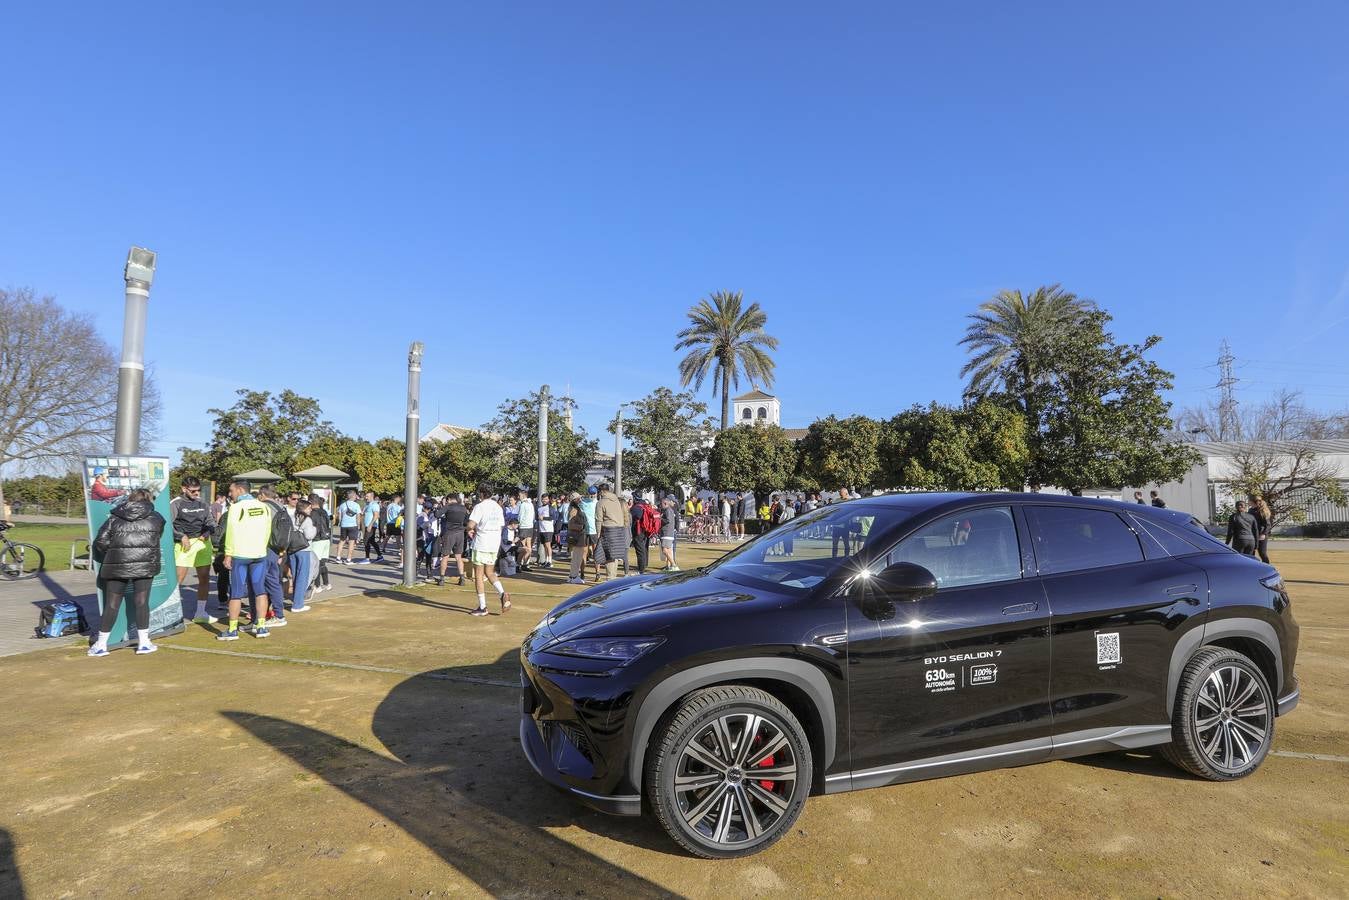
905 581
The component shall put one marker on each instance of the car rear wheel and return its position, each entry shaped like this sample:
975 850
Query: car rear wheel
729 772
1223 722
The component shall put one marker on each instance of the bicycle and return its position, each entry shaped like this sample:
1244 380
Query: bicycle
18 560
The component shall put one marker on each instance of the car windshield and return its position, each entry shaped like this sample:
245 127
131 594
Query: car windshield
802 552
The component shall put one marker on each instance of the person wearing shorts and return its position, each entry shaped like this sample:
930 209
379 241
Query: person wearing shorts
246 536
485 525
546 514
348 521
453 522
192 529
524 533
669 529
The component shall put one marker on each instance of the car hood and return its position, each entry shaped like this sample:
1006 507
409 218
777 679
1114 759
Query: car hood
640 605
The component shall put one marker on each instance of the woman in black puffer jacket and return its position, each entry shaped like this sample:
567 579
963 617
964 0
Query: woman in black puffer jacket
128 552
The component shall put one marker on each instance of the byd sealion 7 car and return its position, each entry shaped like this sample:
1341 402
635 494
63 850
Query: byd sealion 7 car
899 638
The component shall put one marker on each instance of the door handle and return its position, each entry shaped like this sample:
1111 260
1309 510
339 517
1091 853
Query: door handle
1182 589
1020 608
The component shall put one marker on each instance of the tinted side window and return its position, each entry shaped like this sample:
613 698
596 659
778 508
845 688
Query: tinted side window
1068 539
974 547
1172 544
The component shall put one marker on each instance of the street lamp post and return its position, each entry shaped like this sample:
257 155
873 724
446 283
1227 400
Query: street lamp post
618 448
410 464
543 441
139 272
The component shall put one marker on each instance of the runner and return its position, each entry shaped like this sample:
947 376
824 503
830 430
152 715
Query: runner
192 528
453 521
349 517
524 534
485 525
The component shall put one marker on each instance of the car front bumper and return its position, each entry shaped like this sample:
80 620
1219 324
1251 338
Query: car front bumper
543 757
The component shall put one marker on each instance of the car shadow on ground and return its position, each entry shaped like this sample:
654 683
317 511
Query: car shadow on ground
1133 762
461 785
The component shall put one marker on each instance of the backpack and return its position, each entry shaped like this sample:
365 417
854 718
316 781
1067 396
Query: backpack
322 524
60 619
649 524
298 541
282 528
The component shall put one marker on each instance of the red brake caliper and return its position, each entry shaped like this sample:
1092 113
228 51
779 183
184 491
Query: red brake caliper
767 762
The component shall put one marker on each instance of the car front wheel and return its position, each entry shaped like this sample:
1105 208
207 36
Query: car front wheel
729 772
1223 722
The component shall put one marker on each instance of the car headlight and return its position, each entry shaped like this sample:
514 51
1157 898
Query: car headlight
618 649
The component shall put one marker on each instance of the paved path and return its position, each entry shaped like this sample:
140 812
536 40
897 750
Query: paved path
20 600
46 520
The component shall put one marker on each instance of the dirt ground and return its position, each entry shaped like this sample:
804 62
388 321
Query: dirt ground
399 775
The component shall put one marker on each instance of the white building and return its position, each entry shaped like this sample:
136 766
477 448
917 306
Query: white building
1207 487
756 408
443 432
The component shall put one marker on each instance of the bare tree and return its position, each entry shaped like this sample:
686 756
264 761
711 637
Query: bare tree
58 386
1278 460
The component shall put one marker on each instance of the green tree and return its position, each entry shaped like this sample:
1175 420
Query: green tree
977 447
258 431
1012 339
465 462
669 440
838 453
757 457
726 339
379 466
1099 417
516 430
54 493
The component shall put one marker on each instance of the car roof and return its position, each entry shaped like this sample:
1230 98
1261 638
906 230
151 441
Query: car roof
953 500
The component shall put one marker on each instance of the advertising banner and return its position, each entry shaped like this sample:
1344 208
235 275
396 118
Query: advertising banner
107 481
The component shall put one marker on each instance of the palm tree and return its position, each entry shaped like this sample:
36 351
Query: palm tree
726 341
1011 336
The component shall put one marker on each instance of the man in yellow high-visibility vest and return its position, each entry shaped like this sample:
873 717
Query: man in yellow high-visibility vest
248 525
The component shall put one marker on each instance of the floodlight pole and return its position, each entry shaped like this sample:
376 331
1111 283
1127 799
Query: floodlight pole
410 463
618 449
139 272
543 442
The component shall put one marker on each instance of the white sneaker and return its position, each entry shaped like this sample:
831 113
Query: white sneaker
146 648
278 622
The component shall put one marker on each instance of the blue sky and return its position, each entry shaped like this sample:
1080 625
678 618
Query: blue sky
540 190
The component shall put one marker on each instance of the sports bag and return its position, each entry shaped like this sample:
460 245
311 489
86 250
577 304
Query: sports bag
60 619
649 524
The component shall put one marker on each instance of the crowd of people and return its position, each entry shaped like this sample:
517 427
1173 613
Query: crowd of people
271 554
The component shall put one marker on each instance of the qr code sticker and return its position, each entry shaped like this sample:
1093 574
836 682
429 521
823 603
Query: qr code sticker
1107 648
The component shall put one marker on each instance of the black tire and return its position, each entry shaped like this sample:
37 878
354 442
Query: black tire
19 561
694 745
1223 722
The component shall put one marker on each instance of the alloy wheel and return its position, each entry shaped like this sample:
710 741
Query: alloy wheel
1231 717
735 778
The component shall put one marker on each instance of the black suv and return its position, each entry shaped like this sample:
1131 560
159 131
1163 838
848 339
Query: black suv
898 638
